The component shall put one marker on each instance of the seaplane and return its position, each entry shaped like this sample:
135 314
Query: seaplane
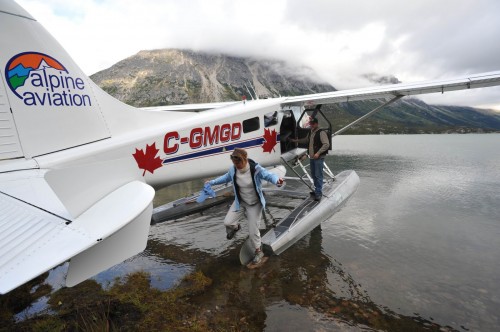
79 169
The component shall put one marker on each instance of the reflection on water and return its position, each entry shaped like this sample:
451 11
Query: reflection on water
304 289
164 274
422 232
416 248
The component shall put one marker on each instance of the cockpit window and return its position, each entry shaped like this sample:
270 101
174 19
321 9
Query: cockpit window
270 119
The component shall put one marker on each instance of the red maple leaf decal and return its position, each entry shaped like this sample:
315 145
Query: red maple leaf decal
270 140
148 161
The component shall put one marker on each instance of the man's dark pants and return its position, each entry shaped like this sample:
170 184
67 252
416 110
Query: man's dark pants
317 175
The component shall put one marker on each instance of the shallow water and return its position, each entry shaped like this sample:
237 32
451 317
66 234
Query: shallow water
416 247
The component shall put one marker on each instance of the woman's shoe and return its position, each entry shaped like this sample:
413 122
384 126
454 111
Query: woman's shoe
258 257
230 234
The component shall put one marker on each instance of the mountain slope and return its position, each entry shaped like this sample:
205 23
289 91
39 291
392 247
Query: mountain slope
412 116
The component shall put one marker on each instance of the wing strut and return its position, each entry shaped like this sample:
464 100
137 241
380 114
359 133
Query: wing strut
366 115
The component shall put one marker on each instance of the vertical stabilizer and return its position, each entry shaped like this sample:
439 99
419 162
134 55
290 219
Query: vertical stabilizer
51 103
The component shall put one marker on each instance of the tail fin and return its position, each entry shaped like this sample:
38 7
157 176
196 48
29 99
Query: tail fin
47 103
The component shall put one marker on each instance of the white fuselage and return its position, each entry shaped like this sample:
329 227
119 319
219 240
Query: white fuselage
195 146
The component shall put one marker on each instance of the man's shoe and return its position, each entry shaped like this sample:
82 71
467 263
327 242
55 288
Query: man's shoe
258 257
317 198
230 234
312 193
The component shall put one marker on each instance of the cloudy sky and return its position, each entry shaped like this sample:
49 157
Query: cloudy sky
342 40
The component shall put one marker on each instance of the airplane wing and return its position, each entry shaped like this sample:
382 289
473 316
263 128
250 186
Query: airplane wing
396 90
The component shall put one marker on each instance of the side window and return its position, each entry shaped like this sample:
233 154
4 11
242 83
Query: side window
270 119
250 125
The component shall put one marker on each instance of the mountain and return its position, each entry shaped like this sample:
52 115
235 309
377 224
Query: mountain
172 76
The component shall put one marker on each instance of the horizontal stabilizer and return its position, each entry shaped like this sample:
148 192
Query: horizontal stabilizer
32 241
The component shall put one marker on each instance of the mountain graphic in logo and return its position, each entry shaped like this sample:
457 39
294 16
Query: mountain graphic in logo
19 68
39 80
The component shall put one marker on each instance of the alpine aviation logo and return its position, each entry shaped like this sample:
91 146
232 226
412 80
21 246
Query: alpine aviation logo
40 80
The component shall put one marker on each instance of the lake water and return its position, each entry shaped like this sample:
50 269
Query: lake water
417 247
422 234
420 238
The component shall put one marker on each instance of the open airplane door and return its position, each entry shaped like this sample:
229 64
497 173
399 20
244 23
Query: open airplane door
304 127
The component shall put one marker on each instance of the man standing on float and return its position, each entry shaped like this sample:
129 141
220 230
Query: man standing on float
317 149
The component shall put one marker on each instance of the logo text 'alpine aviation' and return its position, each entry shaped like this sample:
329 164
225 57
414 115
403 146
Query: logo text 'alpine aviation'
40 80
